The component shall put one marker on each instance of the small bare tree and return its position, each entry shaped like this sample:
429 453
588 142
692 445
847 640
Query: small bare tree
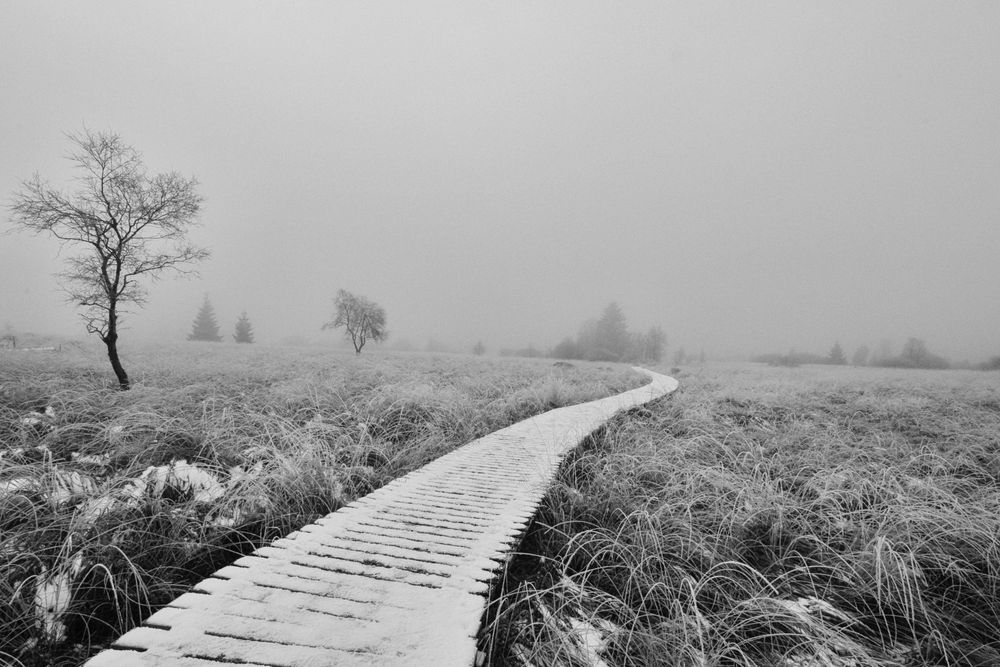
362 319
129 226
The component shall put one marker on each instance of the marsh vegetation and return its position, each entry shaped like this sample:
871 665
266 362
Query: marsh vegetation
815 516
112 503
804 516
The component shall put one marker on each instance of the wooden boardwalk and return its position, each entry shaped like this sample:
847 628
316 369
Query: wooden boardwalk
398 577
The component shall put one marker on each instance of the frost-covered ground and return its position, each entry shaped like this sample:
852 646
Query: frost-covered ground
814 517
112 503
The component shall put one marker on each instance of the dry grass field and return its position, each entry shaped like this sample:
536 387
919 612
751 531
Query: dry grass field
113 503
812 516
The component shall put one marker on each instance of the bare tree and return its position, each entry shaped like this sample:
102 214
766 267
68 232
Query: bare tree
362 319
127 224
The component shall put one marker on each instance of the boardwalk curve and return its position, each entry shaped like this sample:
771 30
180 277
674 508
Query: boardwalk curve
398 577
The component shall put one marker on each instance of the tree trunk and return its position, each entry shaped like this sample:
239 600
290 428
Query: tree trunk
111 340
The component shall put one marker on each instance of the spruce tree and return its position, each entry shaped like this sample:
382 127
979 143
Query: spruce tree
205 326
244 331
836 355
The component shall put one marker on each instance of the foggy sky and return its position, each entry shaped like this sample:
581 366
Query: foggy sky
751 176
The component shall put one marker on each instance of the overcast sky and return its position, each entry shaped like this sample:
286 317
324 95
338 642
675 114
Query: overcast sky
751 176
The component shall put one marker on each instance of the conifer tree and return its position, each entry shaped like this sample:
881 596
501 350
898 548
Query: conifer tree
244 331
612 334
837 355
205 326
653 344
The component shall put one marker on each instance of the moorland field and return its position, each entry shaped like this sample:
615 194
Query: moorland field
814 516
112 503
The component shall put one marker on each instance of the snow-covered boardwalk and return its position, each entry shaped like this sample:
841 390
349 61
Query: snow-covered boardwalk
399 577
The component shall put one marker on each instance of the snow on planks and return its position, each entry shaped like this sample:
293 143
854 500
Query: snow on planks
399 577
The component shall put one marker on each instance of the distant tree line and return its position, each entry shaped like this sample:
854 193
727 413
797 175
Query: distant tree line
914 355
681 356
606 338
